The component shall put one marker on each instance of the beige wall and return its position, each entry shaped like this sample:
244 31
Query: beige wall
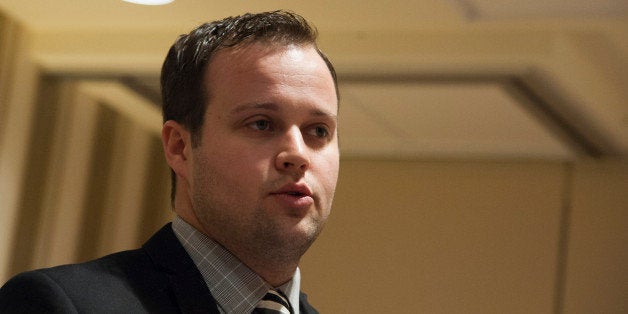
474 237
596 271
441 237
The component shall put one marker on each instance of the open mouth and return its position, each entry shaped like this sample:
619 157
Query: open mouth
296 190
295 194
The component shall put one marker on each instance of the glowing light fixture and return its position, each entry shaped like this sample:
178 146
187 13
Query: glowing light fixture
149 2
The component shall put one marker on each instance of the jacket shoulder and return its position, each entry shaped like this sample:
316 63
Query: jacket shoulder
128 281
117 281
34 292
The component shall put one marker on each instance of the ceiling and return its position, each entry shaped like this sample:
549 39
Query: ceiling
541 79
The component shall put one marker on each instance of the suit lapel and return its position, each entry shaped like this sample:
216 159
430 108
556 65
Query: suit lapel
190 290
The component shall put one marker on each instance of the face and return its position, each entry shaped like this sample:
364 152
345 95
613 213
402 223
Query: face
264 174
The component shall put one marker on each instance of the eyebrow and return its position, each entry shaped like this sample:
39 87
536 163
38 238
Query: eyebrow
254 106
277 108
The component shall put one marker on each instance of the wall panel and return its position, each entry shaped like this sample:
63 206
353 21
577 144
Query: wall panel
439 237
597 264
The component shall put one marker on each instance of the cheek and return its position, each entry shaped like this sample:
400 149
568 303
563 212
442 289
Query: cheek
245 168
328 175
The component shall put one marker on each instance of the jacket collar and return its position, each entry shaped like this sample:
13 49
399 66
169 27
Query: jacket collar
186 281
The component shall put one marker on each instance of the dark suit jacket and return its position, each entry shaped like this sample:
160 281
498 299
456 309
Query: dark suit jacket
160 277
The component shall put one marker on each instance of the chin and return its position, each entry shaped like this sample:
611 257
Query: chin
308 230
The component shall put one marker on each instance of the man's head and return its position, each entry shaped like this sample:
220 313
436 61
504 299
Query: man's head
184 96
251 136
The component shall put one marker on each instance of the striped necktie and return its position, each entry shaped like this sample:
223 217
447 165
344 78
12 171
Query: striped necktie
274 302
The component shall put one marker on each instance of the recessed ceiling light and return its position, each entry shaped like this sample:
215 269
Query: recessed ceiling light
149 2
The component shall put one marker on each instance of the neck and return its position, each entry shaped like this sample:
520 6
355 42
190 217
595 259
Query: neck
274 267
272 272
274 262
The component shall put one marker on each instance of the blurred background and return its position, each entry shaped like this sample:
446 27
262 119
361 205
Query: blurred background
484 146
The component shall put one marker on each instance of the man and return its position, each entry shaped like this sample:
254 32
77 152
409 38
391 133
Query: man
250 133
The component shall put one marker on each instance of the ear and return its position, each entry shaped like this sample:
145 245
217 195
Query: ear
177 143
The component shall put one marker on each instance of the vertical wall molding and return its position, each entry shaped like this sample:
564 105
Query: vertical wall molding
18 90
563 238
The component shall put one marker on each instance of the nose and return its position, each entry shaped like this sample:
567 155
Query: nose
292 156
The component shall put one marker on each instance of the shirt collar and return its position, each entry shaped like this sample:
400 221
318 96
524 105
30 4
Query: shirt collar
236 288
292 290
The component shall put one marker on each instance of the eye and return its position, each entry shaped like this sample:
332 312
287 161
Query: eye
261 125
320 131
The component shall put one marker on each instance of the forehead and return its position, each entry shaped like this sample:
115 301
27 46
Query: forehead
257 68
254 56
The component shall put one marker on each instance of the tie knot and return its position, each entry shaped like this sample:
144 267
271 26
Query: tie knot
274 302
